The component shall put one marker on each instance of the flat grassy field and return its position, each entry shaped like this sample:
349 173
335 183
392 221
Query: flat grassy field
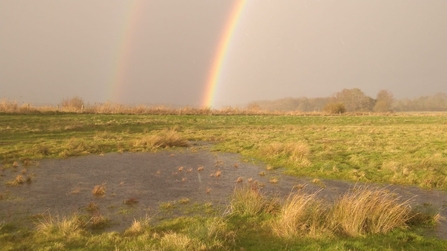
407 149
385 149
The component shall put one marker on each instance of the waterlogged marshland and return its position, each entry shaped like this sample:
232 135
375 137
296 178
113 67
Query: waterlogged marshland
400 150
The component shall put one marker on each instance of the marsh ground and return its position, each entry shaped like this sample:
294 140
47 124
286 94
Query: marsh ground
161 185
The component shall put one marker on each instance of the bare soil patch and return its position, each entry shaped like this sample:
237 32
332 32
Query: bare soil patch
136 184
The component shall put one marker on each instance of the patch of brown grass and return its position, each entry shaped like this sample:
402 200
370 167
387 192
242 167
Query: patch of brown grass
19 180
184 201
98 221
92 207
131 201
138 226
248 200
164 139
296 152
99 190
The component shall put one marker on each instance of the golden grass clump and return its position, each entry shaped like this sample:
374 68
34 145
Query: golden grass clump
165 138
294 150
138 226
248 200
301 214
51 227
19 180
99 190
364 210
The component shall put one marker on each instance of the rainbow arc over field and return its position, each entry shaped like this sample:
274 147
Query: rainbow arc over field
122 57
127 34
221 53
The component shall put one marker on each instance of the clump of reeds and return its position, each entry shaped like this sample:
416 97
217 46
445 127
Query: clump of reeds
365 210
248 200
361 211
138 226
301 214
51 226
165 138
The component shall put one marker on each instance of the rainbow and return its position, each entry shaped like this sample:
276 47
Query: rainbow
221 53
121 60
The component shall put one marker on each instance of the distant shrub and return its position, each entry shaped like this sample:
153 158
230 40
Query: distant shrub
334 108
74 104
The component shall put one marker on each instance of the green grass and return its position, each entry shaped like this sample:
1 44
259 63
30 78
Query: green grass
401 149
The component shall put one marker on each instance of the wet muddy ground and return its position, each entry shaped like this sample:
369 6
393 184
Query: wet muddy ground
136 184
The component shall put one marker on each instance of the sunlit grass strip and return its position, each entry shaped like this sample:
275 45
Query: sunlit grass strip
165 138
296 152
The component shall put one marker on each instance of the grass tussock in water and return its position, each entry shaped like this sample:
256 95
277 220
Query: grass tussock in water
248 200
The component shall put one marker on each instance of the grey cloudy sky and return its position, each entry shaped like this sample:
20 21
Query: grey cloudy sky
161 51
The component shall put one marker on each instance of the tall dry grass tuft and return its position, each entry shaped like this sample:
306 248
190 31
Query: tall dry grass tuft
165 138
301 215
138 226
9 106
99 190
248 200
53 227
365 210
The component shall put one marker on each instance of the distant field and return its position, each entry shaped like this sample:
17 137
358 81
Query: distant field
406 149
399 149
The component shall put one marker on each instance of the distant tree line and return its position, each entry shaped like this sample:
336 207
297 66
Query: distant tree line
354 100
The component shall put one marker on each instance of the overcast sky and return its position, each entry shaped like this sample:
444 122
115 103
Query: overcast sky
161 51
